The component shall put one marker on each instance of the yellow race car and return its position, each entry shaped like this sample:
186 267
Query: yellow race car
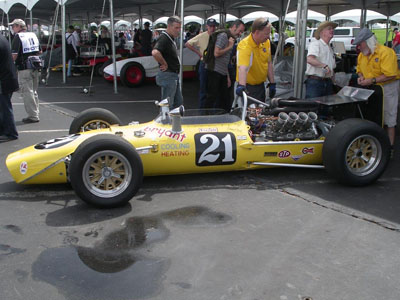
105 162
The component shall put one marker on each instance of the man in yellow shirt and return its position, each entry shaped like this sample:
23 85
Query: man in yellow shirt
254 63
198 44
377 64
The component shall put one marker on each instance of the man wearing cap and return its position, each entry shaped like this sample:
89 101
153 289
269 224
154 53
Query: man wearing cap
396 41
145 39
320 62
377 64
254 63
165 52
26 44
198 44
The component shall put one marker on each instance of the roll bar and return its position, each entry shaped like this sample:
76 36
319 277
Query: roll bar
245 100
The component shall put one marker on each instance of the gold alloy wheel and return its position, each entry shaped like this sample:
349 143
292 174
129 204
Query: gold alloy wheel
95 124
107 174
363 155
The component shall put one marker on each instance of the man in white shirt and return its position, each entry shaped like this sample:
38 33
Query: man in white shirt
77 36
321 62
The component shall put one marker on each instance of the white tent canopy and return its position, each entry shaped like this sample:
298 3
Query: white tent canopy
258 14
194 19
187 19
229 17
354 16
152 9
121 24
6 5
162 20
311 15
144 20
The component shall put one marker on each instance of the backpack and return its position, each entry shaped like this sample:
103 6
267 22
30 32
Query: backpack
34 62
70 51
208 55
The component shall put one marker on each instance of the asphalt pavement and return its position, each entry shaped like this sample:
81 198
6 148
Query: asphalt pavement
266 234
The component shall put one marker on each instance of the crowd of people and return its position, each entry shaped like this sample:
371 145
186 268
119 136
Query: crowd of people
219 74
377 66
228 67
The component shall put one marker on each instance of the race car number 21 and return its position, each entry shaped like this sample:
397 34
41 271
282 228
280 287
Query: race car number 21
215 148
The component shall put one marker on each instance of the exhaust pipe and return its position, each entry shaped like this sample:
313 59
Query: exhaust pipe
282 120
312 116
176 114
302 121
293 117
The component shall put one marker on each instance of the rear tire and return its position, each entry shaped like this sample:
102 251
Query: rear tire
98 69
106 171
92 119
132 74
356 152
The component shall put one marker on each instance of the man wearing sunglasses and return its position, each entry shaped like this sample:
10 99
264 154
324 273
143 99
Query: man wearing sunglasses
254 62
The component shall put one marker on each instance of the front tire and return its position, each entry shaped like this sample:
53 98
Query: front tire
132 74
106 171
92 119
356 152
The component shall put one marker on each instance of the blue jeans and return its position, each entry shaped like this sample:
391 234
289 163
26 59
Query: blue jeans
7 123
397 49
70 61
318 88
203 84
169 83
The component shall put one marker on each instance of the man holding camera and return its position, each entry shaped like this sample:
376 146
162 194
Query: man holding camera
24 45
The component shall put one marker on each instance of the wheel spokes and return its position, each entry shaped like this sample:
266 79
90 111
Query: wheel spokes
363 155
95 124
107 172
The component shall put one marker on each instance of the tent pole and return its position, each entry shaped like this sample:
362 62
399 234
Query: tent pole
328 16
299 51
140 17
181 45
63 43
205 21
31 19
387 24
9 32
282 20
363 17
281 32
113 46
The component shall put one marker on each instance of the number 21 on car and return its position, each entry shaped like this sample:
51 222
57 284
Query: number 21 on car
213 149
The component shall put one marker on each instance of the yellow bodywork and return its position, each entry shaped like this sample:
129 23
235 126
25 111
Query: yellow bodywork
198 148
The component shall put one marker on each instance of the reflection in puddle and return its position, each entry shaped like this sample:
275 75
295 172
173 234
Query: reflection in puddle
113 268
126 277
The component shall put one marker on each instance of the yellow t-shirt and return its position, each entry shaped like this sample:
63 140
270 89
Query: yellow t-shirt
200 41
254 56
382 61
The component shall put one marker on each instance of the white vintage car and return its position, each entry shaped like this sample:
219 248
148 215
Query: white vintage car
132 72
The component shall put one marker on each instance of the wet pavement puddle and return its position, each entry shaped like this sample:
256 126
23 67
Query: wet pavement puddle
115 267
